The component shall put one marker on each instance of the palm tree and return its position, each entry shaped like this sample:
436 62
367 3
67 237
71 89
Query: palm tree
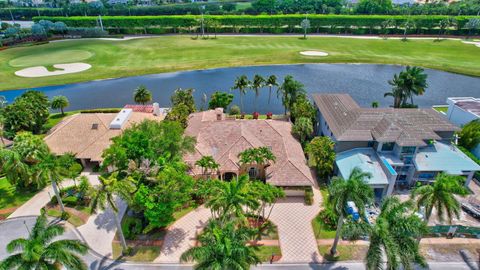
258 82
321 155
142 95
412 81
60 102
441 196
39 251
222 247
207 163
260 156
303 128
15 170
230 199
353 189
395 234
271 82
49 169
241 84
290 91
106 193
397 92
375 104
415 81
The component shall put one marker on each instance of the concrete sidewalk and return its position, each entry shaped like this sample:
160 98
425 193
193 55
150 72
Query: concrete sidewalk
426 241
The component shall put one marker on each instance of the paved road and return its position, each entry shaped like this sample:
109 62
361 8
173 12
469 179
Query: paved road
14 228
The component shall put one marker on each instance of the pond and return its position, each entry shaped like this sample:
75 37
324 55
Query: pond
364 82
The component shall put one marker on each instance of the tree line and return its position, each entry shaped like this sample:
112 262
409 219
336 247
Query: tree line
258 7
336 24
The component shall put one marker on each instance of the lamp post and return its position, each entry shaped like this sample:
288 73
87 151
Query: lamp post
202 23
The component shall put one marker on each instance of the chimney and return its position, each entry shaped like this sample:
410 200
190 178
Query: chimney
156 109
219 114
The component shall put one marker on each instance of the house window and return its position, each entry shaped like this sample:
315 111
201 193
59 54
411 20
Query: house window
252 172
426 176
370 144
388 146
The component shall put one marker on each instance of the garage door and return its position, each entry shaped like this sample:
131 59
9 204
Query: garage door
295 192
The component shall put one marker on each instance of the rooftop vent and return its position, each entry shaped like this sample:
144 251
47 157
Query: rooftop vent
94 126
121 119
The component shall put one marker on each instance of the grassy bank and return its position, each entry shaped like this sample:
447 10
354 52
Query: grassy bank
111 59
11 196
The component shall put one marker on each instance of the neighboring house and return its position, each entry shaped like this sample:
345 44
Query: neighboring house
398 146
86 135
225 138
462 110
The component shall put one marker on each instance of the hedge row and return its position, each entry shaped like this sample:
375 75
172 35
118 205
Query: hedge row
260 21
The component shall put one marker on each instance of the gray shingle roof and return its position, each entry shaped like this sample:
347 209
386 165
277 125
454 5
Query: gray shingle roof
406 127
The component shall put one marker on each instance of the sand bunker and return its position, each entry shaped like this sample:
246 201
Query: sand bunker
314 53
472 42
41 71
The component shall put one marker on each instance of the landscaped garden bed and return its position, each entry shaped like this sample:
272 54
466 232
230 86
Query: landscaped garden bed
76 203
12 197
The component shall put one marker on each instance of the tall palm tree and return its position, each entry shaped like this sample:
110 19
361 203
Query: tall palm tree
257 83
241 84
412 81
441 196
222 247
231 198
271 82
142 95
40 251
353 189
290 91
106 193
49 169
398 92
395 234
14 168
207 163
415 81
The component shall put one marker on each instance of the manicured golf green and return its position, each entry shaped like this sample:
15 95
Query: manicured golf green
111 59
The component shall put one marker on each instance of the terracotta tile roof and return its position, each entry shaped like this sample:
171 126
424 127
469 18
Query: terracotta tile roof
225 139
406 127
87 134
140 108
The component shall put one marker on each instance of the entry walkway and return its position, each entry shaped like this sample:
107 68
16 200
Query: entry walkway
182 235
33 206
293 219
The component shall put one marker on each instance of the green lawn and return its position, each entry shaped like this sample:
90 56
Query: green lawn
320 231
265 252
11 197
139 254
74 220
346 252
55 118
112 59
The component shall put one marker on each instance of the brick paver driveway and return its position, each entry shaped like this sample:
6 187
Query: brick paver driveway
293 219
181 235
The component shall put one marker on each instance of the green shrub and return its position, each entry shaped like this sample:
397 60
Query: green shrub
328 217
131 226
65 215
308 196
70 201
235 110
